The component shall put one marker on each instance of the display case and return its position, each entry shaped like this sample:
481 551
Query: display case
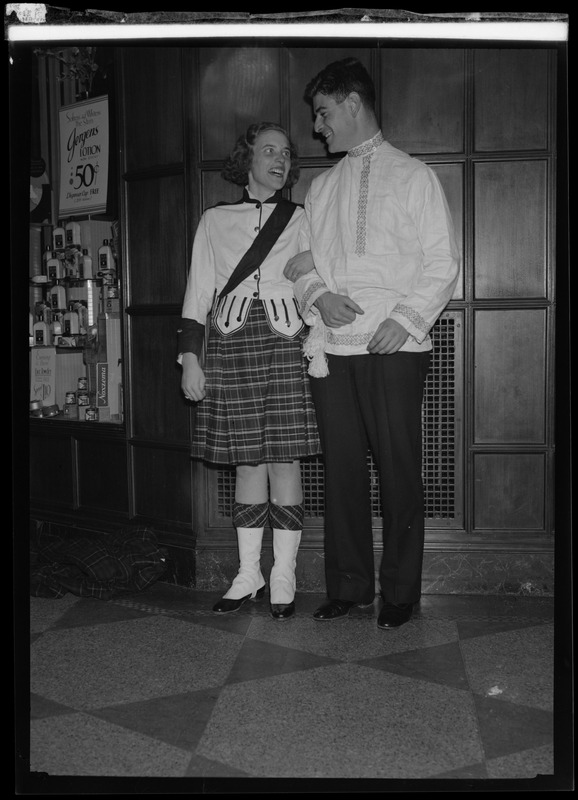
75 334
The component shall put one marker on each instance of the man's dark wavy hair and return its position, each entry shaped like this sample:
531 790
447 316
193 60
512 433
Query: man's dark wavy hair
237 165
340 78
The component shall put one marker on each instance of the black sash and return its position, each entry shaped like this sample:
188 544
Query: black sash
262 245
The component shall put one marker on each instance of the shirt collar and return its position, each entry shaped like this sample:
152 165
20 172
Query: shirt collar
367 147
273 199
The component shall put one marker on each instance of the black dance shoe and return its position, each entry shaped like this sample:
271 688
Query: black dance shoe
225 605
392 616
282 610
336 609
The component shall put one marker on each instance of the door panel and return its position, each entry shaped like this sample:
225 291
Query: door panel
155 239
51 471
153 115
238 86
102 472
159 410
429 118
162 480
511 99
509 491
510 382
510 229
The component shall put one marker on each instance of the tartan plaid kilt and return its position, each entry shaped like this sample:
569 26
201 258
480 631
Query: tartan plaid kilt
258 407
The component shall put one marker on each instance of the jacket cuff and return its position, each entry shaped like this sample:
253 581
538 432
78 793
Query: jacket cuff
190 337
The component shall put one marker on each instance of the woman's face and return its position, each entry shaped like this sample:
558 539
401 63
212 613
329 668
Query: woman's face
270 164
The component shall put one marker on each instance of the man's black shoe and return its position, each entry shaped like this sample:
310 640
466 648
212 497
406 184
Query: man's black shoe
392 616
336 609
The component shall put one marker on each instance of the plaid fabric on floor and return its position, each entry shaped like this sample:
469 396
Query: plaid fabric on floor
258 406
97 565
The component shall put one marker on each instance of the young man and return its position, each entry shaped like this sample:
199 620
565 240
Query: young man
385 266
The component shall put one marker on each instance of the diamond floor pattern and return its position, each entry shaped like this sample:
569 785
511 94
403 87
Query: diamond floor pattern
157 686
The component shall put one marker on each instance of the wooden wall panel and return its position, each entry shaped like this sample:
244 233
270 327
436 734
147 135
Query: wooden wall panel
299 191
216 190
509 491
304 64
153 105
237 87
51 469
510 99
159 410
156 240
510 376
162 484
452 180
102 470
422 99
510 228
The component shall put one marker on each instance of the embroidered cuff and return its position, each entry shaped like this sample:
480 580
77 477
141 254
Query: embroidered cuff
419 326
310 295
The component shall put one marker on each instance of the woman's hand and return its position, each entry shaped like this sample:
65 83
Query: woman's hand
299 265
193 379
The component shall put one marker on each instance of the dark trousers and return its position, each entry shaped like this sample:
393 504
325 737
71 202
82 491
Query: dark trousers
372 402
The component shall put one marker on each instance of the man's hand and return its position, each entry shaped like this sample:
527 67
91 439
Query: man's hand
388 338
337 309
299 265
193 380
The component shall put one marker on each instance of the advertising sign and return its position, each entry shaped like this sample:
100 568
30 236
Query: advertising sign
84 151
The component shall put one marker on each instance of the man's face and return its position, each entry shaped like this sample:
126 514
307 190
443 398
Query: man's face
270 164
334 121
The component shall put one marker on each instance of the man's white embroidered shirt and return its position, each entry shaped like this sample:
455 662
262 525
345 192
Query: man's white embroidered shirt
380 231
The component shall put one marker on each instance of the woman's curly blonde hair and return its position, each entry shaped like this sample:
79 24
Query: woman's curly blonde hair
237 165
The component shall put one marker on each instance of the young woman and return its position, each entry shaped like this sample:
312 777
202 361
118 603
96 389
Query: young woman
255 409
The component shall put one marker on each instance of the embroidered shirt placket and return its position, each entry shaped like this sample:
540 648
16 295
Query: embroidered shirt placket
361 237
366 150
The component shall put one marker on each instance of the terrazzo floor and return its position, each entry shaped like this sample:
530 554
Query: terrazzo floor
155 685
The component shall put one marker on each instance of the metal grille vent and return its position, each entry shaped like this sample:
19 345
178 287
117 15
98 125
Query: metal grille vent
441 432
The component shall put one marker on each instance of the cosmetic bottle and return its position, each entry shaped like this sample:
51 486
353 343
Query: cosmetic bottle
57 297
72 233
85 266
70 322
56 326
58 238
42 336
54 268
105 257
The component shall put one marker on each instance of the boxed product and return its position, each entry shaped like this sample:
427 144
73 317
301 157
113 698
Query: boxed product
43 375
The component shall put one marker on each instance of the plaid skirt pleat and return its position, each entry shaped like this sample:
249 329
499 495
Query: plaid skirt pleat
258 407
